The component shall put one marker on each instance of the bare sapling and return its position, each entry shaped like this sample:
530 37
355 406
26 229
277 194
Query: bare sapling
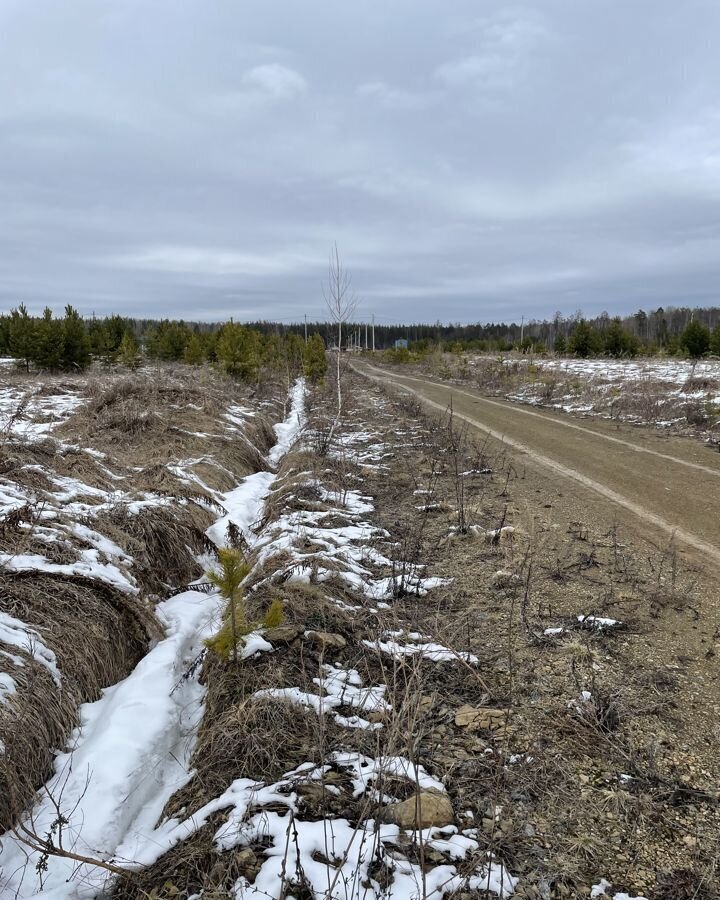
341 303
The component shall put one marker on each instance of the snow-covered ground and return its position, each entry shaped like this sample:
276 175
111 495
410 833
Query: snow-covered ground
32 413
675 371
132 749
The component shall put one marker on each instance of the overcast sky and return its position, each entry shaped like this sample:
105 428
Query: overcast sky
474 161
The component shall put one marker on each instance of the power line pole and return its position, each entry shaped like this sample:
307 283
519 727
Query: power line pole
366 343
373 332
522 330
306 328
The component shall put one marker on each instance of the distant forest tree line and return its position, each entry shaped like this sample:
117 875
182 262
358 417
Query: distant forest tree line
69 343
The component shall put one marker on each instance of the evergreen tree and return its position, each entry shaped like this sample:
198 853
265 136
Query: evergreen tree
695 339
99 338
238 351
172 341
273 352
49 341
560 345
715 340
618 341
76 344
209 344
21 335
151 338
292 353
116 327
4 335
193 353
583 340
127 353
314 359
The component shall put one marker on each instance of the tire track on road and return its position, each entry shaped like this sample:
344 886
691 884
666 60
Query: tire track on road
637 509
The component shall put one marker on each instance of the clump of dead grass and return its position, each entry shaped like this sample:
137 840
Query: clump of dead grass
97 634
163 540
249 737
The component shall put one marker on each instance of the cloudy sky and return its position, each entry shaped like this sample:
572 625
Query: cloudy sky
474 160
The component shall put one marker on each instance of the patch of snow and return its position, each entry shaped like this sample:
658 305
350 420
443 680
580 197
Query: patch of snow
342 688
288 431
601 888
128 756
254 644
351 849
15 633
87 566
419 646
599 622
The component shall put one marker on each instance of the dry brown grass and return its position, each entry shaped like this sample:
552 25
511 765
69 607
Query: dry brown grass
163 540
169 414
98 635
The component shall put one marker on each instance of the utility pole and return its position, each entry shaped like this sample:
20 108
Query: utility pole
366 343
522 330
373 332
306 328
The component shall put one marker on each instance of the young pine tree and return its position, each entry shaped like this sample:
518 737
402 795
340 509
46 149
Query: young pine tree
314 359
233 571
76 344
695 339
127 353
715 340
239 351
583 340
293 349
48 350
4 335
193 354
21 335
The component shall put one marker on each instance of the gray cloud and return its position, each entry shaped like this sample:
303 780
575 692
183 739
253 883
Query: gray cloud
199 159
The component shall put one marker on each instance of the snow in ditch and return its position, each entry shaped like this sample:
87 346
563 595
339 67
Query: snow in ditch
129 754
132 749
244 504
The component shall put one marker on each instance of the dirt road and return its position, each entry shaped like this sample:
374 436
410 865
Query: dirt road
660 485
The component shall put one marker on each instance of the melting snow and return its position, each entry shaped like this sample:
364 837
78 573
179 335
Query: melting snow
15 633
417 644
